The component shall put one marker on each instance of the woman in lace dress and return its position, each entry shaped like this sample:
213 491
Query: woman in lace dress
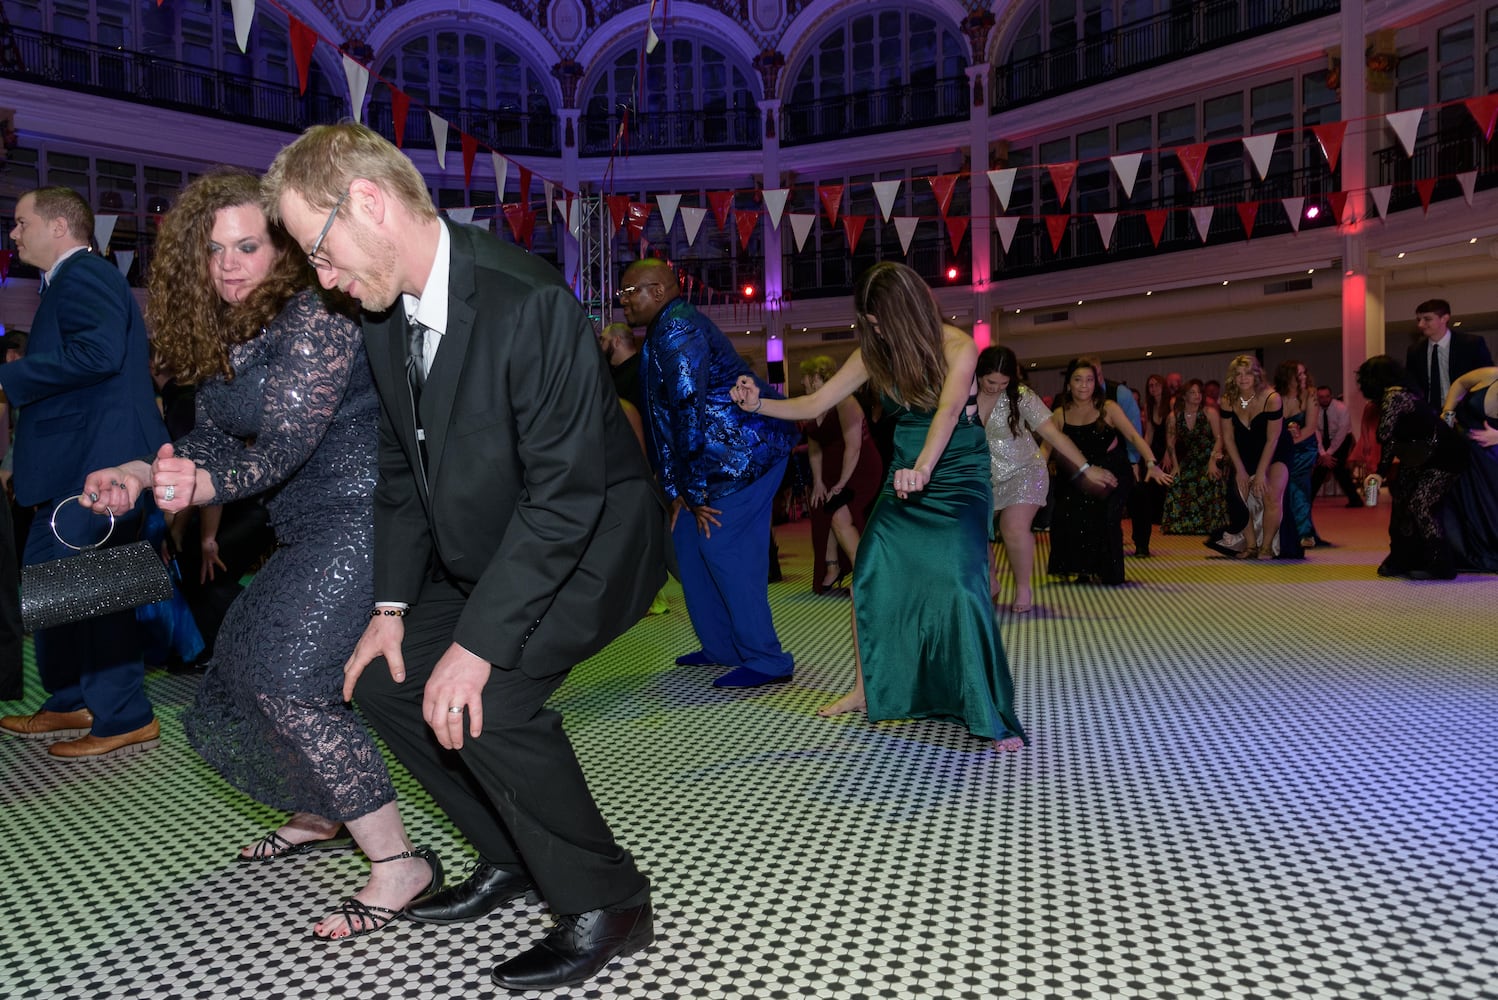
286 410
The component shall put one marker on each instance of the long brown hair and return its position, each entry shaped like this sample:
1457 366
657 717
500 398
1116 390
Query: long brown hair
192 328
1003 361
904 353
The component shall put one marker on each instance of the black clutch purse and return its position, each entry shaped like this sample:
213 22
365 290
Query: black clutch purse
97 581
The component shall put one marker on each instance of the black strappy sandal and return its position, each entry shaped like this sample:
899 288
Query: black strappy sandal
274 847
363 918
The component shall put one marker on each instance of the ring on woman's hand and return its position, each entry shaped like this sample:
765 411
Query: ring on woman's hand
169 492
93 497
455 710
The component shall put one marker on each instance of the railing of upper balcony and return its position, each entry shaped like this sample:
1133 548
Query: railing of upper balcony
890 109
1185 30
1450 151
810 274
672 132
503 130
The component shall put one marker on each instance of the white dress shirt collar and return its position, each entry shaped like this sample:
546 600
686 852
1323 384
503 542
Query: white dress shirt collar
52 271
430 310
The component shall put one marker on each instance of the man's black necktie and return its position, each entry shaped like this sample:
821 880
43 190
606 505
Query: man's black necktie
1326 428
416 350
1437 396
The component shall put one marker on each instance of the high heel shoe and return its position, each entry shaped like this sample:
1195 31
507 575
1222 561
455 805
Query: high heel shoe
363 918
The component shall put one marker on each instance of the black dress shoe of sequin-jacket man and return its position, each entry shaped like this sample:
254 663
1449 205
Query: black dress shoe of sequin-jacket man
517 532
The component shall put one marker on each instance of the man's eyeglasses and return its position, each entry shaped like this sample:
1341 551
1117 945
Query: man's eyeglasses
315 256
629 290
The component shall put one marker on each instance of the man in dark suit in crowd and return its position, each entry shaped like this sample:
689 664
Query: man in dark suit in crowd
517 532
87 401
1444 355
1335 441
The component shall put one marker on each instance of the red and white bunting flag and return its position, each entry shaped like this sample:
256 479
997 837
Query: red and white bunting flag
832 200
1203 216
1406 125
122 260
1056 226
1380 196
1062 175
618 210
470 146
801 227
400 106
885 192
463 216
1485 112
550 194
775 204
303 40
721 202
525 184
1468 181
638 213
1105 223
745 219
1330 136
1006 225
1293 209
1248 211
1425 187
1261 151
574 215
501 169
1338 201
956 230
905 227
244 16
853 229
943 185
691 222
560 205
439 138
103 230
1003 184
1126 166
1192 159
668 204
1155 218
358 85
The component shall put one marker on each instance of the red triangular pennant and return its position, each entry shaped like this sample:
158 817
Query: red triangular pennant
1057 226
1155 219
400 106
470 150
522 223
303 40
721 202
1426 186
832 200
1338 201
1192 158
853 228
1248 211
525 186
745 219
1330 136
1061 178
943 184
1485 112
956 230
639 215
618 209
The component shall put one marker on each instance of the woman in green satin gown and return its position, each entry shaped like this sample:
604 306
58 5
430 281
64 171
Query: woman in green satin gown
925 638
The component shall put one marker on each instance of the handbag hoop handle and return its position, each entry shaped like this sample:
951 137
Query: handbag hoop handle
81 548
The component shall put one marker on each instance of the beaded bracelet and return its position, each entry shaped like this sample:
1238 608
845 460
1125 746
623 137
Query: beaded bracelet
392 612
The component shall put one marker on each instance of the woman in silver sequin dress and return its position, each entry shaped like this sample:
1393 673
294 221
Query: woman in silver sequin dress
286 409
1012 417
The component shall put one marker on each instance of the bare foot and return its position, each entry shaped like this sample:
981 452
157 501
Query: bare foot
392 884
1023 601
1009 745
301 828
844 705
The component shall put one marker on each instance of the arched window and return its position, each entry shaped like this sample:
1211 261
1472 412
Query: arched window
694 95
875 72
476 83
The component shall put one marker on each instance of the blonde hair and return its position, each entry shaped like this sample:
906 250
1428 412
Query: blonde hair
1244 363
325 159
903 355
820 365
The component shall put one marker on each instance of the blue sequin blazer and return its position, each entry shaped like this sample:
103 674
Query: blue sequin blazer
705 446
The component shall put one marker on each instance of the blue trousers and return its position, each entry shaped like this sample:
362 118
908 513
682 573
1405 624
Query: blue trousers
724 579
96 663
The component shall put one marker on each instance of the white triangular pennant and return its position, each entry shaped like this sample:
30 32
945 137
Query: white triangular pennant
575 216
439 138
122 260
1469 184
1006 225
1261 151
561 208
1203 216
501 169
885 191
1406 125
358 85
651 39
1380 196
691 221
667 203
1003 184
905 226
463 216
775 204
1105 223
550 189
801 226
1293 208
103 230
1126 166
244 16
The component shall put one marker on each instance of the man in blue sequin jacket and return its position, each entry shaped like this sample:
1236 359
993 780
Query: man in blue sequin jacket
719 465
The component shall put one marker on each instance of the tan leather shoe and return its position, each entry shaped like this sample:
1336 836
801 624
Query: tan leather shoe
93 747
46 725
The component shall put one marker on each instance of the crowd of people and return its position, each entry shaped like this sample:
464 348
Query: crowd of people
472 490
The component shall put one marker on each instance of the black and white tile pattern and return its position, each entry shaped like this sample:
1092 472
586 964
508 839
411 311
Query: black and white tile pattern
1246 781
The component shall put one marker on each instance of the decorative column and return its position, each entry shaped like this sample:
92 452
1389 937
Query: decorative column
1362 293
569 74
980 233
769 63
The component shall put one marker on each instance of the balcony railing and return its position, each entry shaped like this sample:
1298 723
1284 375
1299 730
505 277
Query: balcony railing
832 270
504 130
1185 30
133 76
890 109
1452 150
673 132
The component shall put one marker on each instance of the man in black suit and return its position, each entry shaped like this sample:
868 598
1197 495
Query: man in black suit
517 532
1444 355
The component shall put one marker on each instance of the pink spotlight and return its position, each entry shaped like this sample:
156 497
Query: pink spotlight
1313 212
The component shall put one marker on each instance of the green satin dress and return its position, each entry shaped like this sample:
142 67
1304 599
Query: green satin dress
927 635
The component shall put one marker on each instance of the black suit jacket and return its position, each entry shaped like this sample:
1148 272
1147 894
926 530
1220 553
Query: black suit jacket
534 497
1468 351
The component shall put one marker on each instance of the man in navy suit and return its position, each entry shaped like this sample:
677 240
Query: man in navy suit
87 402
1442 355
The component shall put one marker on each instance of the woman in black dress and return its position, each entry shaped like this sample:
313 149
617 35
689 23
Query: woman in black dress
1259 449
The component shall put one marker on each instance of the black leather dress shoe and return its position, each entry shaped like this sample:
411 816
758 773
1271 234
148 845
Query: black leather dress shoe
578 948
483 892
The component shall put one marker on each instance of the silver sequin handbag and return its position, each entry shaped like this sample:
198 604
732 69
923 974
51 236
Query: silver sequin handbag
97 581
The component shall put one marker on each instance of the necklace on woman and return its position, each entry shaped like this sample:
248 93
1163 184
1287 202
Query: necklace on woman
1243 403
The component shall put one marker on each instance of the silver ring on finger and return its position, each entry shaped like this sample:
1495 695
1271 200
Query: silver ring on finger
169 492
455 710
